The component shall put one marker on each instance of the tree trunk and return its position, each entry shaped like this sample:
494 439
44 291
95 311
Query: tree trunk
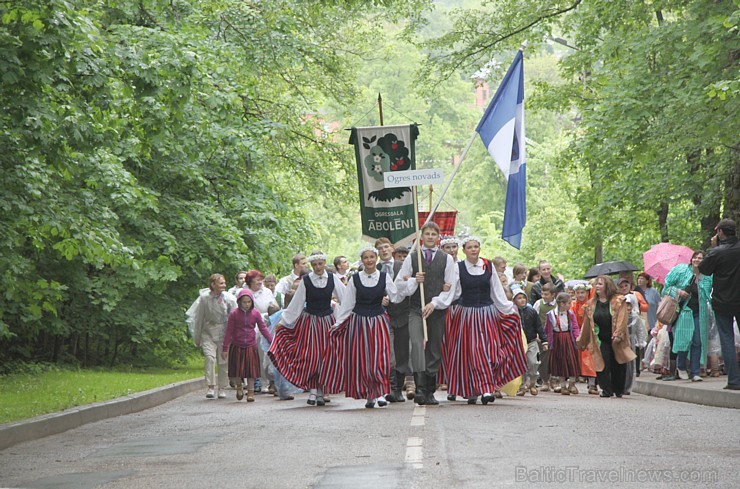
87 349
663 221
732 189
598 251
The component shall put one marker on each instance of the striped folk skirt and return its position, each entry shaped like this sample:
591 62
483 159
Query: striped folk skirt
471 351
452 325
244 363
362 358
564 358
300 354
513 358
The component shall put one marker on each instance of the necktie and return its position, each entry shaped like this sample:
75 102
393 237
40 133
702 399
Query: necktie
387 268
428 256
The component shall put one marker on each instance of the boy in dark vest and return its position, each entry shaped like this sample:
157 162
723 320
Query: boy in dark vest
437 269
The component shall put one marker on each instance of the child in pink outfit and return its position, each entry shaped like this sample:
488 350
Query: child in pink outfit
240 343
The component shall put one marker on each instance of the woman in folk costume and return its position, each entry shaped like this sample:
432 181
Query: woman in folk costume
604 334
301 348
561 328
450 245
360 339
240 344
690 330
482 347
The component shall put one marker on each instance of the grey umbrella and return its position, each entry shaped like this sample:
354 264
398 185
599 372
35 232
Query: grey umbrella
609 268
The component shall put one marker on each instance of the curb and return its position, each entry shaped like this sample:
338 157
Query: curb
51 424
706 397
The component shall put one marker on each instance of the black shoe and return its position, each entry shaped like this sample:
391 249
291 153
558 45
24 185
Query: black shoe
732 387
472 400
397 396
320 402
311 402
450 397
604 394
382 402
619 395
486 399
431 400
370 404
420 399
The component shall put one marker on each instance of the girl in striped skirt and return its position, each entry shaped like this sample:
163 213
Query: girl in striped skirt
301 348
240 344
480 351
561 328
360 339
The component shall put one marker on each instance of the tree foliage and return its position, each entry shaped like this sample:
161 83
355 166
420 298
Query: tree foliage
148 144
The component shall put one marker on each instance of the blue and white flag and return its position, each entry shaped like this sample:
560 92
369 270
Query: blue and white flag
502 131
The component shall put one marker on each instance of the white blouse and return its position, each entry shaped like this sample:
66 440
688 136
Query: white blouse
498 296
297 303
371 280
407 287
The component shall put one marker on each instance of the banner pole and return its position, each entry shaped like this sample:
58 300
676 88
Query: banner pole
380 108
418 256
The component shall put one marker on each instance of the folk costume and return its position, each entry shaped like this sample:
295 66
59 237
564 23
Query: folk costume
360 340
562 330
301 349
482 348
439 268
240 341
398 315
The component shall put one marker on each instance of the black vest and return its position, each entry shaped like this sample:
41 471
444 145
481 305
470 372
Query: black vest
476 289
318 301
369 300
434 279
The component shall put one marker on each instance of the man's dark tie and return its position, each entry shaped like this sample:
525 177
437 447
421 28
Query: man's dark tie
428 255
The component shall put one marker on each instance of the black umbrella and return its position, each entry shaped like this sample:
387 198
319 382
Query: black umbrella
609 268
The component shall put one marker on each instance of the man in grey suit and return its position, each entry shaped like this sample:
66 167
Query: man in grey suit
437 269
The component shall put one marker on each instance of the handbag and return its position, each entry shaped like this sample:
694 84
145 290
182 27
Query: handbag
667 310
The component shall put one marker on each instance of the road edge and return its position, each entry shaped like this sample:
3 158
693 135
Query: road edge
669 390
54 423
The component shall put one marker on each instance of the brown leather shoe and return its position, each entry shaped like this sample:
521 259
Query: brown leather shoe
250 395
572 388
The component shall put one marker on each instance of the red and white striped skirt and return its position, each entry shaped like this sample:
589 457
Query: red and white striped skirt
244 363
299 354
361 362
452 328
513 360
471 351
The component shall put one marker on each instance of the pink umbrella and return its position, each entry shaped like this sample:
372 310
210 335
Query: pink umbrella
661 257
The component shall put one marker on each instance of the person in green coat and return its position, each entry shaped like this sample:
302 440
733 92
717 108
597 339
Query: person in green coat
691 289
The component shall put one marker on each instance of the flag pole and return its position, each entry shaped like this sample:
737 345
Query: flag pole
433 209
418 256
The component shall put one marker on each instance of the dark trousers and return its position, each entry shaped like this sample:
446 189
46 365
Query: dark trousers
544 368
402 349
727 344
612 378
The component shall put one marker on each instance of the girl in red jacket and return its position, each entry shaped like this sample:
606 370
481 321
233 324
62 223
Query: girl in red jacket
240 341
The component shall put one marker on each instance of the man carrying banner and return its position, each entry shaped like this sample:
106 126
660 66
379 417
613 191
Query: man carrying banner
437 269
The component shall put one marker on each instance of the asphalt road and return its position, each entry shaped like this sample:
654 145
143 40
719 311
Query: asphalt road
546 441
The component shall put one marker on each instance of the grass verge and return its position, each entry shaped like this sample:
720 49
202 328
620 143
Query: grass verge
24 396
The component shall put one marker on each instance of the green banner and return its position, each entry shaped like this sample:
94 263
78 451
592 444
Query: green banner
386 212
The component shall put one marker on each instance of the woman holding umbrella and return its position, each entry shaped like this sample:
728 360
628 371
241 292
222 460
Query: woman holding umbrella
691 289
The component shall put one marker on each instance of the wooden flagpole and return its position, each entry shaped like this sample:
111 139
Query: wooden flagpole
418 256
